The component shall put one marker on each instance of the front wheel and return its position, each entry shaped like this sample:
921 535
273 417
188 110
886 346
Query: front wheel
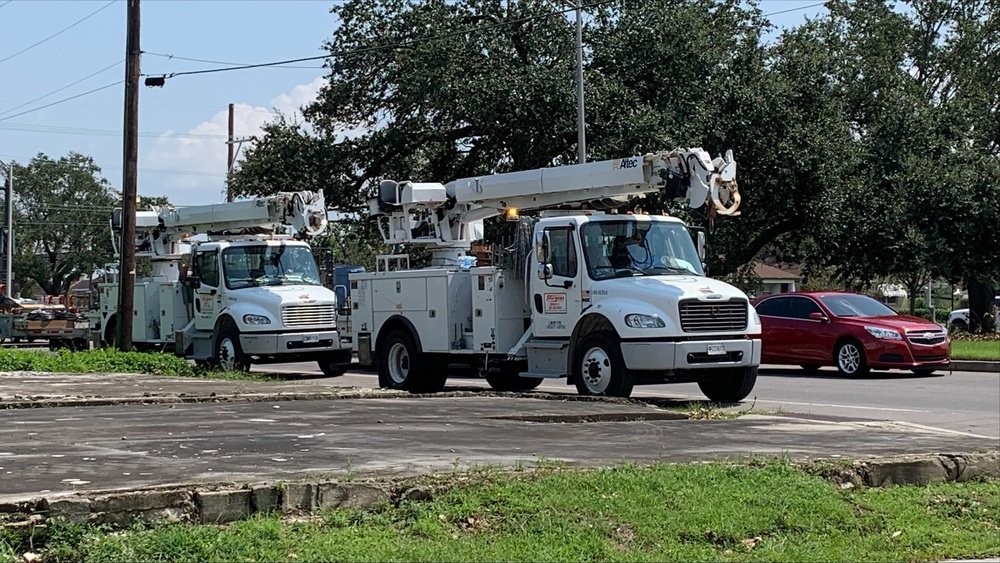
599 368
728 385
229 353
850 358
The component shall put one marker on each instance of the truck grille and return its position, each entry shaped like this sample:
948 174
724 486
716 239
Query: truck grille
713 316
308 315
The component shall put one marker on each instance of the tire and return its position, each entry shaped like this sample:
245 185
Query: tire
959 325
111 333
335 363
228 352
599 368
402 366
850 360
728 385
810 367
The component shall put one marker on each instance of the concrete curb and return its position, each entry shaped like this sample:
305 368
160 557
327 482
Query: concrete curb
911 469
973 365
228 502
45 402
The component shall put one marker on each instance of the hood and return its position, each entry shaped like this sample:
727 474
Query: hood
278 295
904 323
670 288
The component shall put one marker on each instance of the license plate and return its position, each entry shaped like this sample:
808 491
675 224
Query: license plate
310 338
716 349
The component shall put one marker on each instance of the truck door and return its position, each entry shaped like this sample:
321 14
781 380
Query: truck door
556 301
207 297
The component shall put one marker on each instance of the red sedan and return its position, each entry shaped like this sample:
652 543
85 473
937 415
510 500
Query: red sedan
853 332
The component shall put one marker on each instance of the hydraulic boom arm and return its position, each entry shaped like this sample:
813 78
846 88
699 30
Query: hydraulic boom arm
451 215
158 231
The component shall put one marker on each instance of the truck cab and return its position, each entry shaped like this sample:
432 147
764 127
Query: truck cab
631 290
261 301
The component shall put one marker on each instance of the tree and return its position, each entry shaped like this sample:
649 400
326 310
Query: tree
61 229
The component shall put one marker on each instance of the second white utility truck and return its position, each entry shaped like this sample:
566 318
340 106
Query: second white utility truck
602 300
239 293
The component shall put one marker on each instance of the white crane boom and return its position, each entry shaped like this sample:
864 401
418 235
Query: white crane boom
450 215
158 231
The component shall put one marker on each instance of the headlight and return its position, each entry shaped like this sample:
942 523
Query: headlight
755 316
883 333
636 320
256 320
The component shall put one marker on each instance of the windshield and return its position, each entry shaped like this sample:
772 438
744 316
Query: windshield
856 306
635 248
250 266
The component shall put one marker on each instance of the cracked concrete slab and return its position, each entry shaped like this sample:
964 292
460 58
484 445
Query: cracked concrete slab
66 450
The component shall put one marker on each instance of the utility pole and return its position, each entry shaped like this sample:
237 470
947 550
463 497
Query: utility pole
126 278
9 229
580 115
232 156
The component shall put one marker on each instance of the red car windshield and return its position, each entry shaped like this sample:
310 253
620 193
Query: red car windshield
856 306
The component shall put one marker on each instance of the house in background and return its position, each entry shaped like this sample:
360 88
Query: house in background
774 280
892 294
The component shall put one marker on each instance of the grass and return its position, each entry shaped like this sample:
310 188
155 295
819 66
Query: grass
701 512
109 360
975 350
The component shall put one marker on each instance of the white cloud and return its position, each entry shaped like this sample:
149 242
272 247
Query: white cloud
202 150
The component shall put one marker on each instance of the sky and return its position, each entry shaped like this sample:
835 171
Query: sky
182 126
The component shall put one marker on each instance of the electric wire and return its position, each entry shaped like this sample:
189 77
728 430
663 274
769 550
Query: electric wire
179 58
61 130
60 32
5 3
57 90
105 87
350 52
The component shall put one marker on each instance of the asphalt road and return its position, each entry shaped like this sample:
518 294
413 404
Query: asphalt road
966 403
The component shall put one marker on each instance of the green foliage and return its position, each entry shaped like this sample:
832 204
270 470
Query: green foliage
863 136
768 511
983 350
61 224
108 360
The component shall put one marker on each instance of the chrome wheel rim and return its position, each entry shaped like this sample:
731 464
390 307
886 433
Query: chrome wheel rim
227 354
849 358
596 370
399 362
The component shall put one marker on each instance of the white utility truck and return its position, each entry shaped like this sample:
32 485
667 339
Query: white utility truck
252 295
601 299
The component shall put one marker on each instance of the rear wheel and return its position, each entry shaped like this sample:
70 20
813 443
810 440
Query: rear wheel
728 385
599 368
401 365
850 359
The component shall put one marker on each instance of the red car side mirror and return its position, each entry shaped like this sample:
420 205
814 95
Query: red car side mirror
817 316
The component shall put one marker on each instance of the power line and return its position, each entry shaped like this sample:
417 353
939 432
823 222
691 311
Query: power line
60 32
387 46
105 87
343 53
5 3
61 130
795 9
57 90
179 58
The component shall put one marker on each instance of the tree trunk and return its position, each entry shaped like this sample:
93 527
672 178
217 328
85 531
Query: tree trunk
980 299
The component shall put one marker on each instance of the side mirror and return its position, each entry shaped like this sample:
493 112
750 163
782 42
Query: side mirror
702 240
543 249
544 271
817 316
194 281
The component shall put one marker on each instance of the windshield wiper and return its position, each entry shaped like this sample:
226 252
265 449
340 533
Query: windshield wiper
678 269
